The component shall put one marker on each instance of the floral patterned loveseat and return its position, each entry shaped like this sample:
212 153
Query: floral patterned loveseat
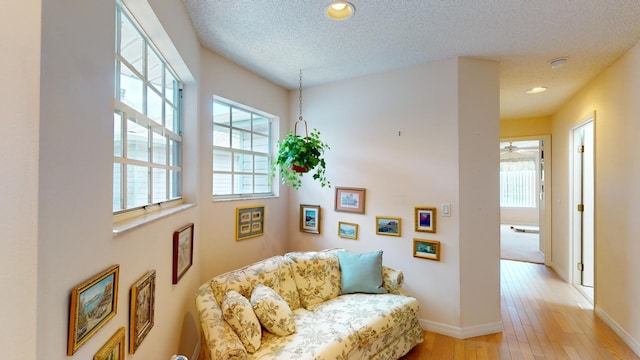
320 320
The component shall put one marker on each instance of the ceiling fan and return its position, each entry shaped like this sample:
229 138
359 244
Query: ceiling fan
521 150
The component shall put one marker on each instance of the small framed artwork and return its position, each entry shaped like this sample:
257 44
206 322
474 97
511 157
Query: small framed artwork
92 304
249 222
141 311
350 199
387 226
425 219
182 251
348 230
310 218
112 349
426 249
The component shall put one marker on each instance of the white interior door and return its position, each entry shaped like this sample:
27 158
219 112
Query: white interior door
583 204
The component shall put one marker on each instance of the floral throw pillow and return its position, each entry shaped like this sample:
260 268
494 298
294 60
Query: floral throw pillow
273 312
238 313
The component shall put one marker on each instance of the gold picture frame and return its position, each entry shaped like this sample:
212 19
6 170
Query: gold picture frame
113 349
426 249
348 230
142 310
93 303
425 219
310 219
249 222
389 226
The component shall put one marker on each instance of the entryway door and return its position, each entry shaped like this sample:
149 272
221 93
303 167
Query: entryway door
584 206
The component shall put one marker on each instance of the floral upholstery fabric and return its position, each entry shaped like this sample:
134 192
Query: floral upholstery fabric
238 313
274 313
392 280
317 276
273 272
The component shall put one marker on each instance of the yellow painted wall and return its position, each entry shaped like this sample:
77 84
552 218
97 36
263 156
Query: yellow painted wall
525 127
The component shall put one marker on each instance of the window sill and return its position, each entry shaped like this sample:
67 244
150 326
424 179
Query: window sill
122 227
246 198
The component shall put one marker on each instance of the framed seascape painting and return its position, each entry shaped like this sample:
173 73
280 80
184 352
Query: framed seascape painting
112 349
310 218
92 304
350 200
426 249
425 219
182 251
249 222
387 226
348 230
142 309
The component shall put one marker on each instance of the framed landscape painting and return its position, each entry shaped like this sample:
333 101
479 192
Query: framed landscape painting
142 310
182 251
310 218
425 219
112 349
348 230
350 200
92 304
389 226
426 249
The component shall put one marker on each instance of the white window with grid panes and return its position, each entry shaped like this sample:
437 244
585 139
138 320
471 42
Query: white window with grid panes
147 121
241 151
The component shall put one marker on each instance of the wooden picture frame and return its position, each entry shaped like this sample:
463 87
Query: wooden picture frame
142 310
182 251
426 249
310 218
348 230
389 226
249 222
350 199
425 219
113 349
92 304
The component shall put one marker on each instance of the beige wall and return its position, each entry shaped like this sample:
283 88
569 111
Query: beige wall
407 136
19 111
613 96
525 127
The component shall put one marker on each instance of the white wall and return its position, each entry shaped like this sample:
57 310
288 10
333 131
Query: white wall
398 135
75 222
613 95
519 216
220 251
19 111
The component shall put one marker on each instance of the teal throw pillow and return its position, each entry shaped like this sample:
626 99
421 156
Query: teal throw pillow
361 273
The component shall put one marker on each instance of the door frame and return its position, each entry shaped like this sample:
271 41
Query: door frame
545 205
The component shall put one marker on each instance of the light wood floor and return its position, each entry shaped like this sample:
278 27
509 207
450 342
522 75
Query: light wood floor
543 318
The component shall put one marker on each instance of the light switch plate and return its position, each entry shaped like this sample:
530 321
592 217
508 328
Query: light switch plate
445 209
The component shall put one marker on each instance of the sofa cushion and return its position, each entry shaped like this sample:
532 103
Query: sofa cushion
317 275
273 312
361 273
274 272
238 313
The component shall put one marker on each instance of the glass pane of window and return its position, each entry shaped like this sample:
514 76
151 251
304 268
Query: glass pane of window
260 124
160 145
137 186
175 153
175 183
117 134
131 44
221 136
159 177
221 184
117 187
241 119
242 162
131 89
261 164
154 105
221 160
240 139
155 69
518 183
137 141
171 87
221 113
171 118
262 184
243 184
260 143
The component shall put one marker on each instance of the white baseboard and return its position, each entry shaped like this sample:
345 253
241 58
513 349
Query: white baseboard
630 341
461 333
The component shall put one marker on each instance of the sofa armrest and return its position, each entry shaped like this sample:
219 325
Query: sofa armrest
392 280
219 341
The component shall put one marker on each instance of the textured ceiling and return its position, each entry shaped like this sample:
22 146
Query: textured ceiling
276 38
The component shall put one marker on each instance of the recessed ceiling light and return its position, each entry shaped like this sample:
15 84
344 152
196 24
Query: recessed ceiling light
536 90
340 10
558 62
